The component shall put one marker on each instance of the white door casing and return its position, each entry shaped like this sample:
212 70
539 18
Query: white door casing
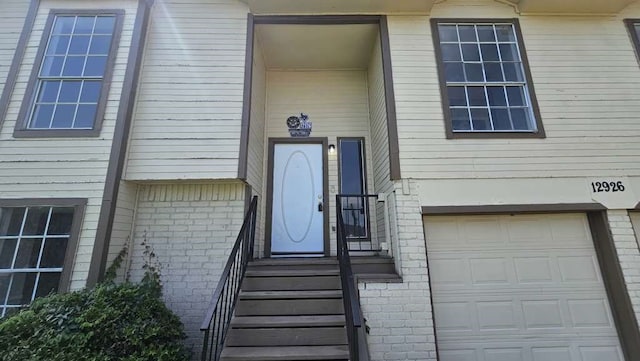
518 288
297 217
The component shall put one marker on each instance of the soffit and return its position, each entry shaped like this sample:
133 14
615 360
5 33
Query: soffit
571 6
338 6
316 46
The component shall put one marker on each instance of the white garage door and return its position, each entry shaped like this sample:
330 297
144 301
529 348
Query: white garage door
518 288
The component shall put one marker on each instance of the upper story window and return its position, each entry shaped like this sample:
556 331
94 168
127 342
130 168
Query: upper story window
67 92
36 247
633 25
485 81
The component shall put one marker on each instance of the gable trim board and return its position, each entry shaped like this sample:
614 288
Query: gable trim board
620 304
392 127
119 146
21 47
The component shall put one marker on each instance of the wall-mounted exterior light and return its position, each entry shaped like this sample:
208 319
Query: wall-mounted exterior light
332 149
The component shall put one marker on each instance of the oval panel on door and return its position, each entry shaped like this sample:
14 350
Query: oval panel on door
298 196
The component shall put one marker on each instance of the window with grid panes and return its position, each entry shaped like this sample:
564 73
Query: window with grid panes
33 244
485 80
72 73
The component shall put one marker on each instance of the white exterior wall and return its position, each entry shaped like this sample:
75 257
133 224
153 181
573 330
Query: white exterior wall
11 22
336 102
123 219
189 107
379 136
400 314
628 253
58 167
256 152
191 228
584 73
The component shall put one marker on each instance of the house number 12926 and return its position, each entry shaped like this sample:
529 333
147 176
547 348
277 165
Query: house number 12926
599 187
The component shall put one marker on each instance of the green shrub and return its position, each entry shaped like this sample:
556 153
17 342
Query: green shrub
110 322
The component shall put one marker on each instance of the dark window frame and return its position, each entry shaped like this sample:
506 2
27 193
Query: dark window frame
22 123
79 205
631 28
365 181
450 134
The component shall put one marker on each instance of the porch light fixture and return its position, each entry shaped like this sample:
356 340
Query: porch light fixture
332 149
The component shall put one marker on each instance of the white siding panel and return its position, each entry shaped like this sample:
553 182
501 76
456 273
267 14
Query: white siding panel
256 151
584 73
190 96
123 225
12 15
55 167
379 135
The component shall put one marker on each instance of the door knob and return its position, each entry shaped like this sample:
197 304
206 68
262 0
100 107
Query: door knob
320 207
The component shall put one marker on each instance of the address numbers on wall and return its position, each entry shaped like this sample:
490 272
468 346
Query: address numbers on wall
607 186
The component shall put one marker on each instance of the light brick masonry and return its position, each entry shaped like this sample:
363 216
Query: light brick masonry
628 253
192 229
400 314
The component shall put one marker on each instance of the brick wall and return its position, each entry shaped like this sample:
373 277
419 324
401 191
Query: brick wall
628 253
400 314
191 229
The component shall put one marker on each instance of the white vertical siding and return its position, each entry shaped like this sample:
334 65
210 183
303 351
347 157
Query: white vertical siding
63 168
256 153
189 106
585 75
12 16
337 104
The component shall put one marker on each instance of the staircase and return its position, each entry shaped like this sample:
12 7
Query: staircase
289 309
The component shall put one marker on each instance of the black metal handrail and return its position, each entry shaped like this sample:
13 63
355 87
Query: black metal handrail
218 317
353 314
356 215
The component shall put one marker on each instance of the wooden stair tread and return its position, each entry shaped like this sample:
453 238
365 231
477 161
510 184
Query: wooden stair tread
288 321
333 352
378 277
292 272
294 261
249 295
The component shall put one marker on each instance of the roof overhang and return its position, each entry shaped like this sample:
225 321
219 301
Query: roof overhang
581 7
578 7
339 6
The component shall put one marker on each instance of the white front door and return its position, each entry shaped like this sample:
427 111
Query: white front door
298 204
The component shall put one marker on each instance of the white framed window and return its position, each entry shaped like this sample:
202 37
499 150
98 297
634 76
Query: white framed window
485 82
68 88
35 247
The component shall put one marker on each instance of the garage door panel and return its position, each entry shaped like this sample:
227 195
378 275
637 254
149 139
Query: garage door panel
558 268
551 354
541 231
549 351
522 315
518 288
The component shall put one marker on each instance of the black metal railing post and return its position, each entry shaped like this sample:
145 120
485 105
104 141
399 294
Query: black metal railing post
218 317
353 314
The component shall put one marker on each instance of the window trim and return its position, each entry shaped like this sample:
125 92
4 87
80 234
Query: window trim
79 205
365 181
450 134
631 28
21 130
